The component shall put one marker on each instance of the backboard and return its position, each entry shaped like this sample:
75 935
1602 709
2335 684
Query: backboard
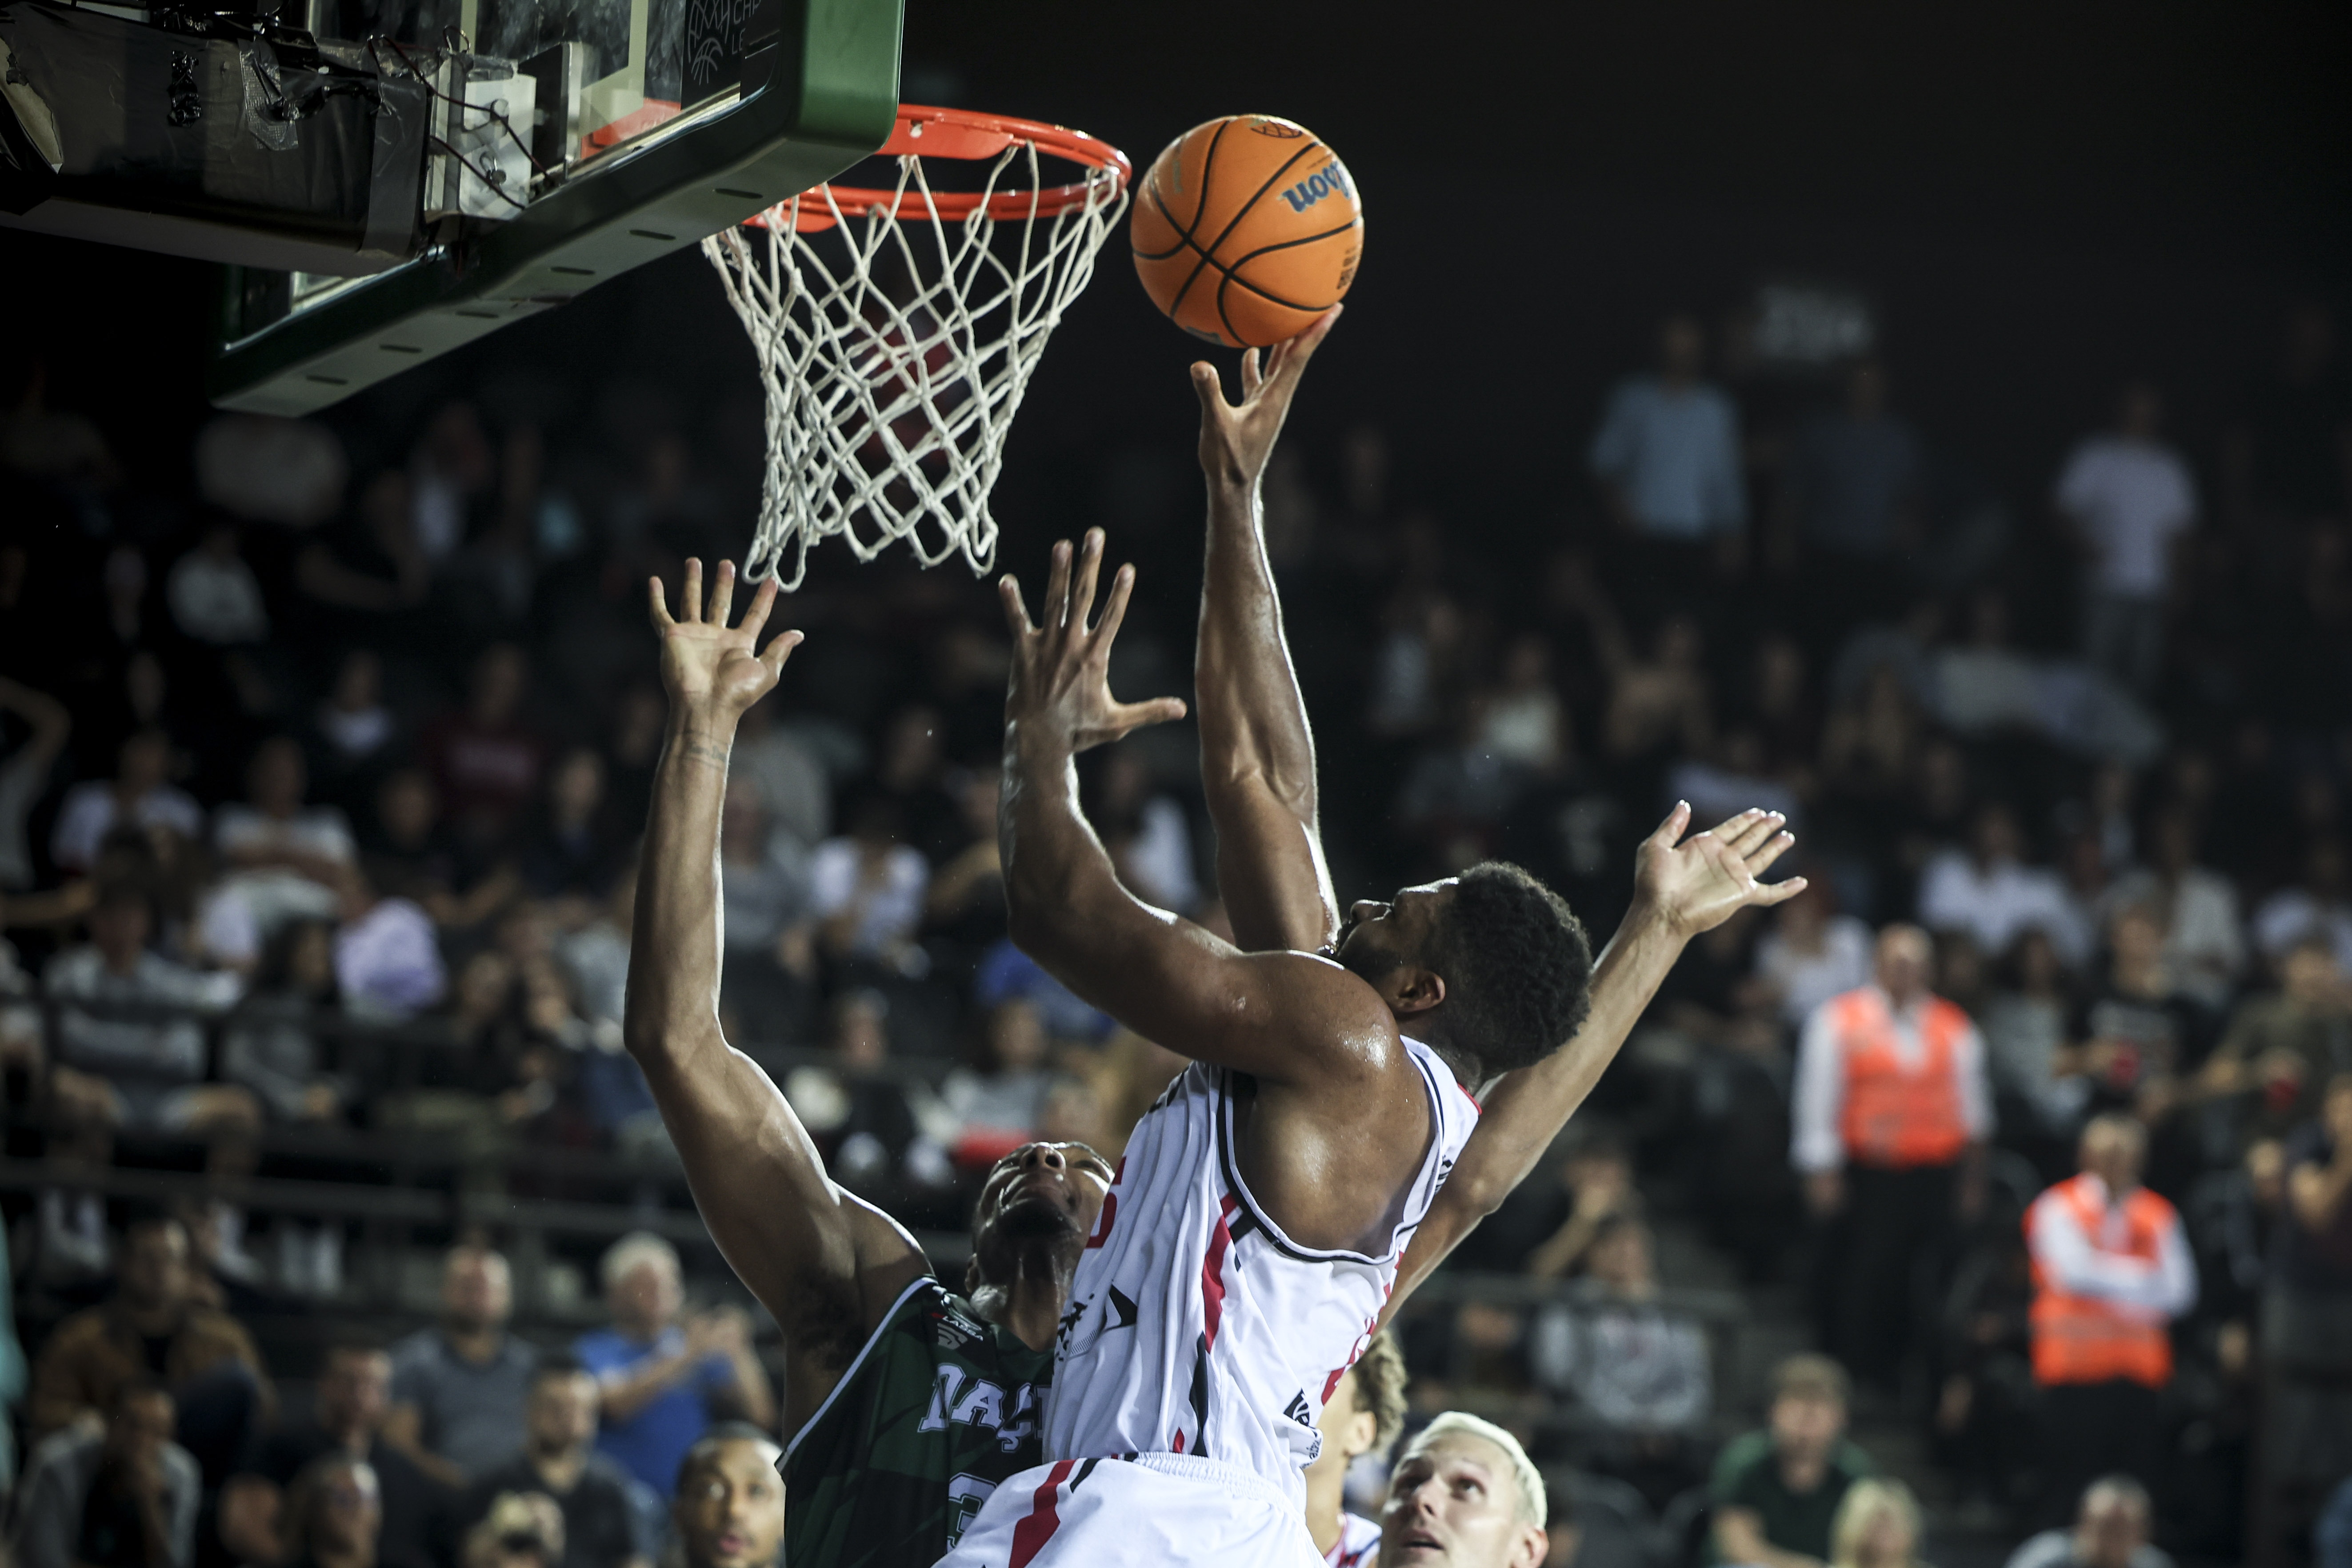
385 180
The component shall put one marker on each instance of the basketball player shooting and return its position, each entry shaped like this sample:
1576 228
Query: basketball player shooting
1252 1238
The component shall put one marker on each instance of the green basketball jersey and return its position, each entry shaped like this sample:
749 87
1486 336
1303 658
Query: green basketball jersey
937 1409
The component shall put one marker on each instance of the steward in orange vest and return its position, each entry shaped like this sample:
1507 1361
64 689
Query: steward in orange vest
2111 1269
1896 1114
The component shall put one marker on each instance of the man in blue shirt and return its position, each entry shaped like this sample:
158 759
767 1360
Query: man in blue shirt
663 1381
1667 453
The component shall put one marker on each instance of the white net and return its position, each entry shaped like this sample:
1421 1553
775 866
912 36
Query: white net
896 352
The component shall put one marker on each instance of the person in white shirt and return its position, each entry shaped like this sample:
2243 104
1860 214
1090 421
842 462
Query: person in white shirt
1987 893
2204 936
1812 952
2130 500
286 860
139 794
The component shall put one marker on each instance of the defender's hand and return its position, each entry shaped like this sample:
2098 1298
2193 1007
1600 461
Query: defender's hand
707 667
1236 439
1695 884
1061 671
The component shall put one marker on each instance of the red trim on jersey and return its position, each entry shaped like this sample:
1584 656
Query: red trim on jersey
1038 1527
1212 1272
1178 1445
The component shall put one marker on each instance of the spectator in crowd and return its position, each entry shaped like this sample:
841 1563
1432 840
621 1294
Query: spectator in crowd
2112 1269
1641 1368
152 1069
2111 1529
25 776
346 1423
2317 904
2281 1047
763 875
2136 1030
572 850
113 1494
2128 499
1463 1491
1777 1491
457 1387
272 1048
1668 452
484 759
663 1383
559 1458
140 794
998 1108
522 1530
1363 1415
2027 1053
867 889
1877 1526
354 734
388 960
1598 1175
1812 952
728 1505
284 860
335 1513
155 1325
1993 896
1853 483
2204 939
1891 1111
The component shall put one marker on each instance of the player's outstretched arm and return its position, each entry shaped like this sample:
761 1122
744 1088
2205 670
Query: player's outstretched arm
1288 1017
824 1263
1257 755
1682 887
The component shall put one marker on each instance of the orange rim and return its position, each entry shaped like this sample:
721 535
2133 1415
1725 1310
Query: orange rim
965 134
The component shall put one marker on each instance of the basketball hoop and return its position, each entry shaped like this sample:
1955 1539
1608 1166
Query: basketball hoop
889 398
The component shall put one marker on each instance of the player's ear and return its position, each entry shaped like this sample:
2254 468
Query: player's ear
1416 990
1534 1546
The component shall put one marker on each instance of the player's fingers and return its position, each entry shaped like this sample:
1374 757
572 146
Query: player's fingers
1300 349
755 614
1252 376
1670 831
1082 590
660 600
1752 832
722 596
1054 613
1730 827
1139 715
1122 585
1773 893
1760 860
690 606
779 648
1016 613
1209 387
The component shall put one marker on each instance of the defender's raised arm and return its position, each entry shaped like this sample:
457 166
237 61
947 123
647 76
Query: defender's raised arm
824 1263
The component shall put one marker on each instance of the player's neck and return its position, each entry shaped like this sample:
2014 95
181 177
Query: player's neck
1326 1488
1031 1310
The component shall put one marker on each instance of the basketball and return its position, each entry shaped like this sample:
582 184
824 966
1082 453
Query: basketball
1246 229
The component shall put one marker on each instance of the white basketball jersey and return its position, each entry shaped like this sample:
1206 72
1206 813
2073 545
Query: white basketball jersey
1359 1545
1194 1325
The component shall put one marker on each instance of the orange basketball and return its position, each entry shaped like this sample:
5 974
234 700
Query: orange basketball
1246 229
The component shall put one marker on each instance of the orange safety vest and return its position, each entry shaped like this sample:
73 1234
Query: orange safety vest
2082 1338
1896 1116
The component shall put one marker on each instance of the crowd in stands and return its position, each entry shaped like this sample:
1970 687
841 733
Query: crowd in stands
2040 1095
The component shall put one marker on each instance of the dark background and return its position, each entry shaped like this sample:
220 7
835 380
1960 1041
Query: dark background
2041 199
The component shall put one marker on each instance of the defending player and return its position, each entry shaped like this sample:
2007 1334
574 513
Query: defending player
1253 1236
909 1402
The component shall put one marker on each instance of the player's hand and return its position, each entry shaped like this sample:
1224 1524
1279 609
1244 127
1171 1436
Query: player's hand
1061 670
708 668
1236 439
1695 884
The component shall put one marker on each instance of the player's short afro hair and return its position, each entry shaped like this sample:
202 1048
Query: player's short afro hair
1517 964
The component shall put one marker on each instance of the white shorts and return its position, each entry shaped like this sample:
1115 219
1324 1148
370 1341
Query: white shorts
1151 1509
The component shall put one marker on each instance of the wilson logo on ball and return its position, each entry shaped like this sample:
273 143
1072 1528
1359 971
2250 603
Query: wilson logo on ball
1314 188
